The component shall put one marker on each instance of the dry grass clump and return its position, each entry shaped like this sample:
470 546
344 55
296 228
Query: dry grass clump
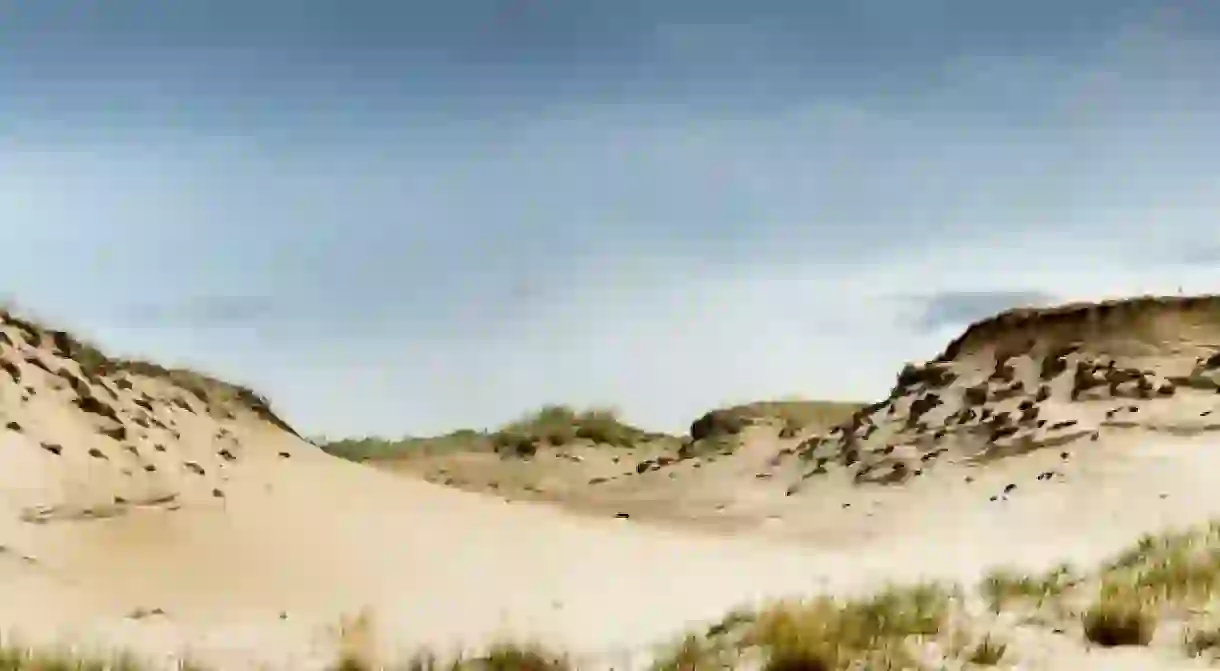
695 652
821 633
358 651
826 634
1175 568
16 657
987 652
1120 617
1004 587
515 657
561 425
498 657
1169 572
354 655
357 642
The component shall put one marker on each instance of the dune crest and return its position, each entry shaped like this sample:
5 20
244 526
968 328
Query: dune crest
1041 378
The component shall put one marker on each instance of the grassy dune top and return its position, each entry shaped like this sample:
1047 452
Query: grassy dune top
551 425
559 425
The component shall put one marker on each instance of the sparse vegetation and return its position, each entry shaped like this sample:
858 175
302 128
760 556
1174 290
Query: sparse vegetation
793 416
561 425
1160 575
512 657
1198 641
1134 591
825 634
1166 574
1002 587
558 425
357 651
822 633
94 364
1119 618
1176 570
988 652
695 653
15 657
552 425
370 448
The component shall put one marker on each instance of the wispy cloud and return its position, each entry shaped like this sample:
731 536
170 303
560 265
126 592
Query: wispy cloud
207 312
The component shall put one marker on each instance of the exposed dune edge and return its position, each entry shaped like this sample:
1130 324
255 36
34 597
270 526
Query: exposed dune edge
1031 378
1082 321
219 396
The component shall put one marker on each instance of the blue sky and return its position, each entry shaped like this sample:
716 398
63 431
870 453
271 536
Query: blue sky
402 217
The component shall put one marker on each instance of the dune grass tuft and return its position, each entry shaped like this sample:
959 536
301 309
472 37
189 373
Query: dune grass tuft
1003 587
506 656
16 657
557 425
988 652
820 633
1120 617
1202 640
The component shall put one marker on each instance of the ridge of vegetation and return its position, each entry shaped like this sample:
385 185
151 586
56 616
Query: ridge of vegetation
556 425
550 426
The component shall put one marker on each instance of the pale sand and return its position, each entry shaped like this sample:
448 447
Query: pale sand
256 578
316 537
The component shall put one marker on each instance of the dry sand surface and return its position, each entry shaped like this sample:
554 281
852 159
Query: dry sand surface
148 511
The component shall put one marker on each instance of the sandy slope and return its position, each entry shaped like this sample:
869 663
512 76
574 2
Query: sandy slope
315 538
243 543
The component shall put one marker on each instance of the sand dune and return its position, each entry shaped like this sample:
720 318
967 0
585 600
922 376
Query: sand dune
173 513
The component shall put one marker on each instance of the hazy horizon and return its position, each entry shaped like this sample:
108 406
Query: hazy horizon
404 222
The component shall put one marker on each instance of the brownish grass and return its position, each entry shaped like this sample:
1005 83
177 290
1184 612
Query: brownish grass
988 652
1004 587
822 633
1119 618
